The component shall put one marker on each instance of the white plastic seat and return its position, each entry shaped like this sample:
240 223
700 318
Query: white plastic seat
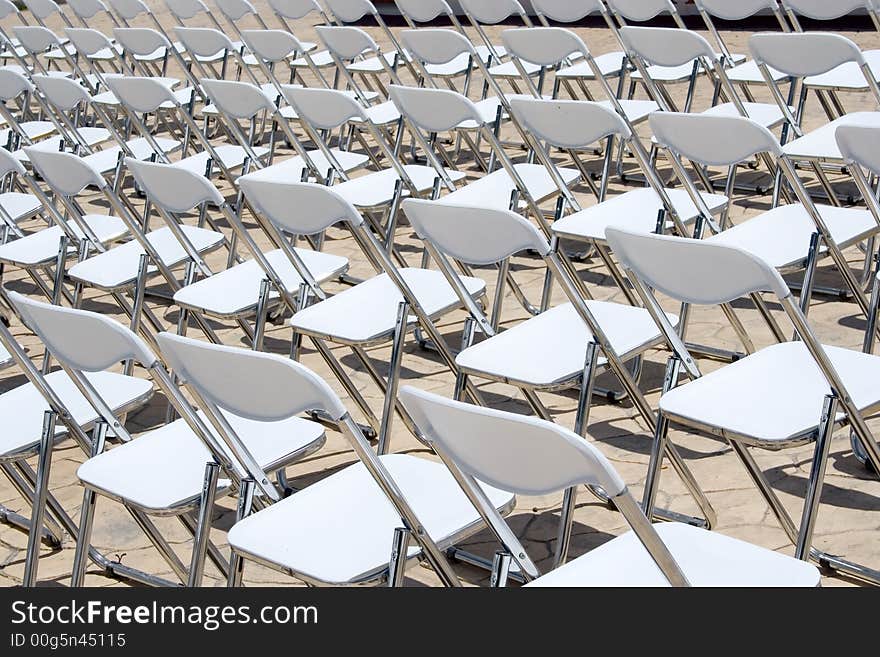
707 558
374 303
92 136
848 76
494 190
231 292
23 407
231 156
749 73
118 267
35 130
765 114
352 520
292 168
820 144
375 189
609 64
42 247
636 110
634 210
19 206
551 347
141 473
106 160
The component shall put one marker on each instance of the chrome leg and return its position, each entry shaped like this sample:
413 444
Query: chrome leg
87 514
658 448
302 302
262 309
500 569
242 511
40 489
467 339
397 563
203 528
393 377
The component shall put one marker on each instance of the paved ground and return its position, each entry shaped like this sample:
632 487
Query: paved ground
849 519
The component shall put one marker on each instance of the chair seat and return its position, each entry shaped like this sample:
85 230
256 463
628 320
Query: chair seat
633 210
352 523
781 236
608 63
19 206
268 88
371 64
23 417
292 168
749 73
236 291
459 64
381 114
376 189
821 144
34 130
231 156
160 53
105 160
494 189
42 247
548 350
636 110
58 53
766 114
848 76
5 358
118 267
163 470
321 59
367 312
509 70
680 73
92 136
772 398
706 558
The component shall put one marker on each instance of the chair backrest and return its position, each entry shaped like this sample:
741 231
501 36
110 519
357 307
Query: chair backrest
712 140
10 164
802 54
241 100
823 10
141 94
735 11
324 109
271 45
63 93
13 84
349 11
434 45
7 8
423 11
87 41
434 110
36 38
346 42
640 10
80 339
294 9
492 12
474 235
859 144
140 41
235 10
568 123
694 271
544 46
521 454
186 9
42 9
86 9
203 41
299 208
566 11
253 385
66 173
129 9
665 46
173 189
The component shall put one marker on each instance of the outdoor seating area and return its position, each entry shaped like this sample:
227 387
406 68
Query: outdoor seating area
577 293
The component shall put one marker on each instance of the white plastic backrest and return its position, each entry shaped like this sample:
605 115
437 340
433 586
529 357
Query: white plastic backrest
801 54
665 46
174 189
324 109
712 140
434 110
294 9
129 9
479 236
640 10
140 41
203 41
7 8
251 384
423 11
566 11
86 9
66 173
235 9
241 100
271 45
544 46
36 38
349 11
568 123
64 93
345 41
141 94
735 11
10 164
518 453
186 9
42 9
80 339
13 84
299 208
86 40
435 45
492 12
825 10
859 144
694 271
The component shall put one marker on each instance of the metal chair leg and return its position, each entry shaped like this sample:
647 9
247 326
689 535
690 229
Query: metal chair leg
393 377
242 511
87 514
39 509
203 528
397 563
500 569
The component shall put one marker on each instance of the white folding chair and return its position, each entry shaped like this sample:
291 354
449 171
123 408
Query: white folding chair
781 396
15 88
